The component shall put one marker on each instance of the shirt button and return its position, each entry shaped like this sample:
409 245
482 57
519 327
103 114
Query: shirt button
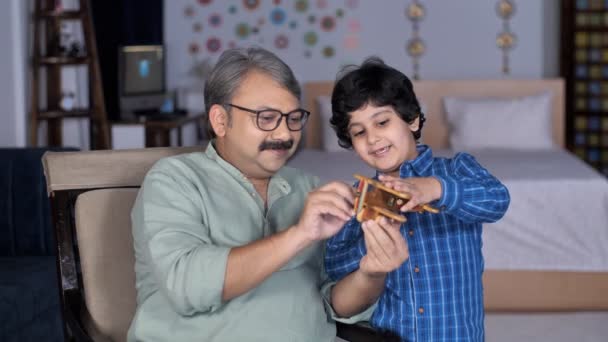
411 232
416 269
421 310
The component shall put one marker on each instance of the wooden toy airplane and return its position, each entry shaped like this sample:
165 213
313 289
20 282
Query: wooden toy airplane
374 199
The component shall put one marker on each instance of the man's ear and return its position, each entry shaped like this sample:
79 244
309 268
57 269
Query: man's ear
415 125
218 118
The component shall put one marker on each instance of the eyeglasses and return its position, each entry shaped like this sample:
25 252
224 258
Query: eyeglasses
270 119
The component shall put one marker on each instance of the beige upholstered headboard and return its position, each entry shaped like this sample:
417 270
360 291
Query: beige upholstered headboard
430 94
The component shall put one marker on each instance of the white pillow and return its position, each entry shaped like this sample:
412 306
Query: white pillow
522 123
330 139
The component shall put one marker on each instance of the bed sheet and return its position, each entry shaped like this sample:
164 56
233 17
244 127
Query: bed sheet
557 220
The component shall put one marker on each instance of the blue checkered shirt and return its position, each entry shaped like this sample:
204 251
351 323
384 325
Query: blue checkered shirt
437 294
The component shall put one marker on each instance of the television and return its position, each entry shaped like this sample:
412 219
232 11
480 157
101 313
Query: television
141 80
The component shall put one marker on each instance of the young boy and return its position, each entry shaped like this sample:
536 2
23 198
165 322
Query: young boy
436 294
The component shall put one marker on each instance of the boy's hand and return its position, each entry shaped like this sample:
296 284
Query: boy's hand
422 190
386 247
326 210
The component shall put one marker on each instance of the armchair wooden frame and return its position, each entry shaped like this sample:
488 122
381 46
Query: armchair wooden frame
70 175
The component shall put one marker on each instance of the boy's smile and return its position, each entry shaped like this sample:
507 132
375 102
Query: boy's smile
381 138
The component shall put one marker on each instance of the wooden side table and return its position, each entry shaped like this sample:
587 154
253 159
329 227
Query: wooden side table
158 132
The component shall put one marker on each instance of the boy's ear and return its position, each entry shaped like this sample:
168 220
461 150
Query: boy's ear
218 119
415 125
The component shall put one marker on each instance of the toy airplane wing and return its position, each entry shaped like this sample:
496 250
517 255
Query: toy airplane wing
374 199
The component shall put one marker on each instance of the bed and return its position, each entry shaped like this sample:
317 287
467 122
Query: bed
550 251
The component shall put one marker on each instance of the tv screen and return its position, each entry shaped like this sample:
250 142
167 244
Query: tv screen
142 70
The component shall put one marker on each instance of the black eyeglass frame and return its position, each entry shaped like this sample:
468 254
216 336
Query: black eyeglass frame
303 120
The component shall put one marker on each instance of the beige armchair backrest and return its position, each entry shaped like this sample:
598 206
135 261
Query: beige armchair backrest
92 194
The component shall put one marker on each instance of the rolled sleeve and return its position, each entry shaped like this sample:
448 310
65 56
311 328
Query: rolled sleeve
170 229
363 316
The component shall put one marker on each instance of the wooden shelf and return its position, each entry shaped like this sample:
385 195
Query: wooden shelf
56 114
73 15
60 60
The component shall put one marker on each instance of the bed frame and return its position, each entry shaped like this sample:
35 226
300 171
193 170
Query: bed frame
504 290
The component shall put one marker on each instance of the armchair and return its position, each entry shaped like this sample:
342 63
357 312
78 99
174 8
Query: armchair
91 197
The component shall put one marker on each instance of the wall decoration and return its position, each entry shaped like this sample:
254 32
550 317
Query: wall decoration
189 12
415 47
214 45
301 6
281 41
251 4
215 20
328 23
278 16
319 28
242 30
505 39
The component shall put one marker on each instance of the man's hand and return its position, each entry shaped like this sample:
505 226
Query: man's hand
326 210
422 190
386 247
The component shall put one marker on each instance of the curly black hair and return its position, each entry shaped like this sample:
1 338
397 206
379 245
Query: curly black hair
374 83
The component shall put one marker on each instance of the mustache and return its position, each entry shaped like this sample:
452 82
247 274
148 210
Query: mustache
276 145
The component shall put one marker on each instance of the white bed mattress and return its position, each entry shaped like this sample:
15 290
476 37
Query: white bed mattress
557 220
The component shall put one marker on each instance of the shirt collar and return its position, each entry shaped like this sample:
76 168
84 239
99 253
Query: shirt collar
420 164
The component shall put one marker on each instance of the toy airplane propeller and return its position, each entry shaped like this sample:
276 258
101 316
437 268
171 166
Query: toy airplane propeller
374 199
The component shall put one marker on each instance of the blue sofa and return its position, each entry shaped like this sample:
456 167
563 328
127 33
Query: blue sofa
29 296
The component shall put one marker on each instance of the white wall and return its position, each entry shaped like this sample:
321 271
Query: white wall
459 35
13 64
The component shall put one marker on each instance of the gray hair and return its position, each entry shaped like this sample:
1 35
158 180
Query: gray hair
232 67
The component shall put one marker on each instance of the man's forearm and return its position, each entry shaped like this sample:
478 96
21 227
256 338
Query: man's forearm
251 264
356 292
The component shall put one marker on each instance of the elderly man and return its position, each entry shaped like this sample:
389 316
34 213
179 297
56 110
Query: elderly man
228 242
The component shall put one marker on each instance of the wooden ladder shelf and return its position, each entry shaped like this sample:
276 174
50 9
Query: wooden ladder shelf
48 16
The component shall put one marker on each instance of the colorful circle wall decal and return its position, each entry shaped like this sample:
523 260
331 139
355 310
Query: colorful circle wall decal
278 16
242 30
301 6
188 11
197 27
251 4
328 51
281 41
322 4
204 2
293 25
307 54
352 4
193 48
328 23
215 20
232 9
339 13
354 25
213 45
311 38
312 19
276 2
